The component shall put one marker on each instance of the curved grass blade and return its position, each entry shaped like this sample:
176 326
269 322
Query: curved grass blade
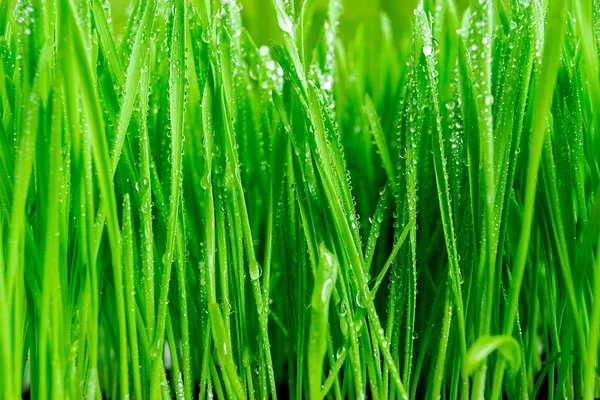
485 345
325 281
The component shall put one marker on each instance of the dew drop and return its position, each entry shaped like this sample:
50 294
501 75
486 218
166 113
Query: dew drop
255 270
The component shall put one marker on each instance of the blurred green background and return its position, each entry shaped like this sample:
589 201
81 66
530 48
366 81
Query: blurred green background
260 21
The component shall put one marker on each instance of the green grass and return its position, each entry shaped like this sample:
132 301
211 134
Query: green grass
340 200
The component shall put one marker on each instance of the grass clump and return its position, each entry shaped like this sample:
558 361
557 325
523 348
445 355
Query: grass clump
181 206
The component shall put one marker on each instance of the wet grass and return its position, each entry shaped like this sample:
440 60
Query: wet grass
187 214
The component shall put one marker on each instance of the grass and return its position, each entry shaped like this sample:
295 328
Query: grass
360 209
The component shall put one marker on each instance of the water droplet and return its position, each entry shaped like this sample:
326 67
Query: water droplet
342 308
255 270
361 301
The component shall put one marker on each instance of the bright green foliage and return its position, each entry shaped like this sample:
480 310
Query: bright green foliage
358 210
